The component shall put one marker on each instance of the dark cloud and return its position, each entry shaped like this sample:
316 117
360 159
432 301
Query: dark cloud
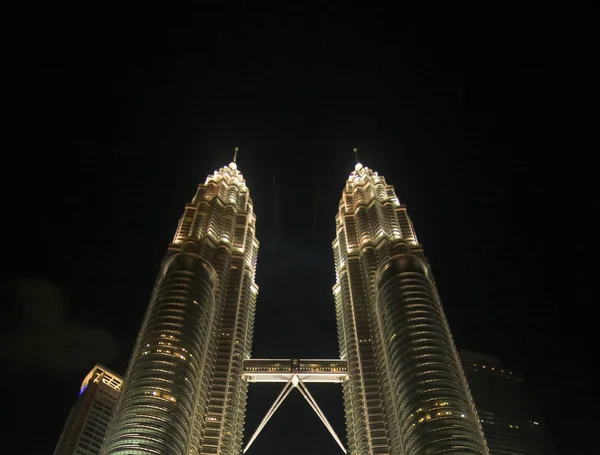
46 338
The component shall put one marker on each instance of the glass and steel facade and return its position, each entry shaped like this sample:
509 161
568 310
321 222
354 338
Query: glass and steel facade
406 392
183 391
87 424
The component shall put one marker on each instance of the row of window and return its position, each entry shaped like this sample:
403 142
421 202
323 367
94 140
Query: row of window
436 415
158 394
302 368
493 368
167 352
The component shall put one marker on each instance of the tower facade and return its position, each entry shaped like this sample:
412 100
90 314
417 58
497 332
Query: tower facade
406 392
87 424
183 392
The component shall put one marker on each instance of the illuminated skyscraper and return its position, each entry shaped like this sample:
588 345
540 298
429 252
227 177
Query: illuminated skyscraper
86 426
510 419
404 388
406 392
183 391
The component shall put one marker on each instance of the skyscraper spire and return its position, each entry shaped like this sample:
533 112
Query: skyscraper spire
356 154
233 164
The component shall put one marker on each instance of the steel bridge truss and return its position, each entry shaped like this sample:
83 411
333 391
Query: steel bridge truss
295 373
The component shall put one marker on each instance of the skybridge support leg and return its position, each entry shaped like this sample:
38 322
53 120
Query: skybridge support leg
295 381
282 396
313 403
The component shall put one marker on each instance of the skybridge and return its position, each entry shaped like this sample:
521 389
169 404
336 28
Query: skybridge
295 373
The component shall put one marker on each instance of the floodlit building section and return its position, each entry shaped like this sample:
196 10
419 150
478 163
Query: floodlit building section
406 392
183 392
87 424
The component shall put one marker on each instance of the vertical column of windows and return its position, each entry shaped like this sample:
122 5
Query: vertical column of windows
406 226
389 212
350 236
227 225
239 237
185 224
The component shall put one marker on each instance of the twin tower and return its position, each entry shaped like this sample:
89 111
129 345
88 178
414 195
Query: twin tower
185 388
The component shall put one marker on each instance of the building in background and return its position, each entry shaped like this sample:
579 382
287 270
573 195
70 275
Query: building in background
511 421
87 424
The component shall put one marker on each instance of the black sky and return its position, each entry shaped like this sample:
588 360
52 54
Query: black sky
477 114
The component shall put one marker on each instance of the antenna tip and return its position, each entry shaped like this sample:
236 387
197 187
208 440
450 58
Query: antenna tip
234 159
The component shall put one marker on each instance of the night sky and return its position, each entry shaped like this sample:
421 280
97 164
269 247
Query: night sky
478 115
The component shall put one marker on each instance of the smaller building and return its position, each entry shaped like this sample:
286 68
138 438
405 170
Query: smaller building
88 421
510 418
